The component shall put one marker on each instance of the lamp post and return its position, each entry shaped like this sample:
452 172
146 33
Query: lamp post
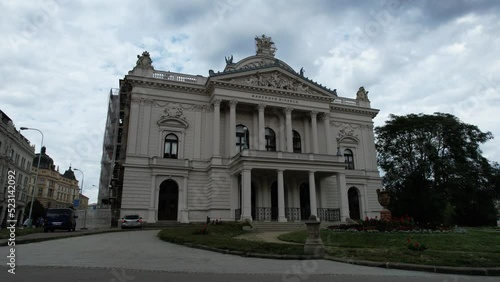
85 215
30 220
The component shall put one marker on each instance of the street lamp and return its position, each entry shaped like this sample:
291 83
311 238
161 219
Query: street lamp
30 220
85 216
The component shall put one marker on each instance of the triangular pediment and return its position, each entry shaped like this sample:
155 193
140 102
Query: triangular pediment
275 78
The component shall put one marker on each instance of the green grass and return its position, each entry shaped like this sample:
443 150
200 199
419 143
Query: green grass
479 247
221 237
5 233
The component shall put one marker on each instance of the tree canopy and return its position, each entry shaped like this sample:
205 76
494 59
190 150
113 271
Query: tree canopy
435 170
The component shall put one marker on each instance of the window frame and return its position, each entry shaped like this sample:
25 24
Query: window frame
349 159
239 137
296 139
270 139
171 142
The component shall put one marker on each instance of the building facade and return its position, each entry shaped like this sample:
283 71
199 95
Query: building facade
16 154
53 189
256 141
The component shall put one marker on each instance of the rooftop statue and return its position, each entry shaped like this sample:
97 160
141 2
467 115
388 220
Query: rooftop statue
229 60
144 61
264 45
362 94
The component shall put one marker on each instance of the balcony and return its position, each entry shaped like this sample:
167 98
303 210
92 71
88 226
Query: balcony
289 156
196 79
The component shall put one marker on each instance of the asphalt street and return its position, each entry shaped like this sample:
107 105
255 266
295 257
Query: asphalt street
141 256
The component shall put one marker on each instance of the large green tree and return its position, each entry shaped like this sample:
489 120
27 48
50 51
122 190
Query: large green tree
435 170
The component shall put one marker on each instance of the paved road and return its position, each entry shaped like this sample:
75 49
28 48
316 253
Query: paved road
144 257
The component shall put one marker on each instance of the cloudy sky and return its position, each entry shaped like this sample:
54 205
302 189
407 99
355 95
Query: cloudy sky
59 58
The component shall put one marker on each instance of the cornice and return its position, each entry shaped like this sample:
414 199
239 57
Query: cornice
356 110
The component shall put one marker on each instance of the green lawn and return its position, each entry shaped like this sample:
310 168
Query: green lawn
479 247
5 233
221 237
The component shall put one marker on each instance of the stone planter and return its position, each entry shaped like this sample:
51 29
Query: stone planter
384 200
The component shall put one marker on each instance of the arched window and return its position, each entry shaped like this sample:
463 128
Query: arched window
171 146
270 140
297 145
242 137
348 159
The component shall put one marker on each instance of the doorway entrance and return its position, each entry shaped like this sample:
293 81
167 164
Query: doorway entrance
168 200
353 197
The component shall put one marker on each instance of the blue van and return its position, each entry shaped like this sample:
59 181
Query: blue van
64 219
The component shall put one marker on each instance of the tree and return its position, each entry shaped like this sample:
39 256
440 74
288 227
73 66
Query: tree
435 170
38 210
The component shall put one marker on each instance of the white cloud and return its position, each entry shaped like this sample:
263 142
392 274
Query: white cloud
60 58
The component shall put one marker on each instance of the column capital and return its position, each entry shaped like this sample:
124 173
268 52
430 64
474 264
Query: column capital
311 171
260 107
217 102
280 170
324 116
288 110
232 103
314 113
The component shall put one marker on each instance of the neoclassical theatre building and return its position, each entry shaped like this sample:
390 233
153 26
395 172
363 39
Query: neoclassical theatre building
257 141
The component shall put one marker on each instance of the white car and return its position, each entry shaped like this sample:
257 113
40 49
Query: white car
132 221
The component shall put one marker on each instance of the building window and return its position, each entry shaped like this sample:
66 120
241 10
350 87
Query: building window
349 159
242 136
270 140
297 145
171 146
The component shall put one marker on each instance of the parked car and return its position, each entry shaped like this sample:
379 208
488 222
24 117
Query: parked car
64 219
132 221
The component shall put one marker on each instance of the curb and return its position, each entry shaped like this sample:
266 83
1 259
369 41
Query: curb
20 241
476 271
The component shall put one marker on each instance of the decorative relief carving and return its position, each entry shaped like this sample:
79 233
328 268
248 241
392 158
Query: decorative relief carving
275 80
173 111
347 132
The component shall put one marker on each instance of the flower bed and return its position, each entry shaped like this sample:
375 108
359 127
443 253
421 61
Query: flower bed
403 224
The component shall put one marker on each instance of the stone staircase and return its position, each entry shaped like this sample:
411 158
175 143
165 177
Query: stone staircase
262 226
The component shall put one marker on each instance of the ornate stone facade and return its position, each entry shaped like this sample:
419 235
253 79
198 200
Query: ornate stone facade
257 141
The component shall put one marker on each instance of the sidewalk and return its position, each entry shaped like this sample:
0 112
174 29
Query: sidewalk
57 234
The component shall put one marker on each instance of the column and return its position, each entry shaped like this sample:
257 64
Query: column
289 133
314 129
232 127
343 201
328 134
184 218
246 213
312 194
281 197
262 131
216 141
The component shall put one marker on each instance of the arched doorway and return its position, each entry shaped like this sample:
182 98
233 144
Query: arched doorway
353 197
168 200
305 201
